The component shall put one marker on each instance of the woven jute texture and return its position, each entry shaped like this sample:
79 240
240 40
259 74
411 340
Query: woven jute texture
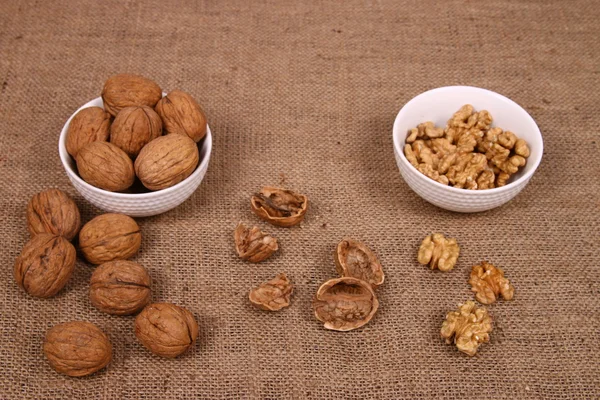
304 96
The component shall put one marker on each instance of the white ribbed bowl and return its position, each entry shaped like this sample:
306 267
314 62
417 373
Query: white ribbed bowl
137 204
438 105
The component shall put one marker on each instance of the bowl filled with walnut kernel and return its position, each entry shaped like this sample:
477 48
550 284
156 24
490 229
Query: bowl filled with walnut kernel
466 149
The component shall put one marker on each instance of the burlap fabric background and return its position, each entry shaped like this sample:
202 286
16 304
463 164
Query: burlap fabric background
305 96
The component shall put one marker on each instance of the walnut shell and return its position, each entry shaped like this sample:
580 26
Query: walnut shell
354 259
77 348
120 287
53 211
109 237
134 127
166 329
272 295
45 265
105 166
126 90
91 124
182 115
166 161
279 207
253 244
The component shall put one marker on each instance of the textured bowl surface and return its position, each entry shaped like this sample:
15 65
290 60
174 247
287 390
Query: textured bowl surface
137 204
438 105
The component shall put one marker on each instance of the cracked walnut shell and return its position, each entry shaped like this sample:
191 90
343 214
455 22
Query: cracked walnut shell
279 207
252 244
109 237
92 124
166 329
468 327
272 295
105 166
356 260
344 304
488 282
126 90
134 127
77 348
439 252
53 211
182 115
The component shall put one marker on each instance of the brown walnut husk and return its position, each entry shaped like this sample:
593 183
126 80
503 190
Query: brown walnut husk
166 161
272 295
77 348
110 237
45 265
120 287
468 327
165 329
126 90
252 244
134 127
279 207
91 124
488 283
53 211
344 304
356 260
182 115
105 166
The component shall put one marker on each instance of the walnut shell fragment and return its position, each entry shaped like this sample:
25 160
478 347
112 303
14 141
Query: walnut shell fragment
126 90
134 127
439 252
105 166
45 265
252 244
354 259
488 282
344 304
91 124
182 115
468 327
279 207
53 211
166 329
110 237
77 348
272 295
120 287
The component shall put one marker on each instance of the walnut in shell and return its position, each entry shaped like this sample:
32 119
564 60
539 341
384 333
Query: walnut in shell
53 211
105 166
439 252
488 282
272 295
77 348
91 124
166 161
134 127
120 287
126 90
166 329
182 115
354 259
252 244
344 304
468 327
110 237
279 207
45 265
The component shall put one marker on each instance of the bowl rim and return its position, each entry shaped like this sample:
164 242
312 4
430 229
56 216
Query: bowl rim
524 178
64 155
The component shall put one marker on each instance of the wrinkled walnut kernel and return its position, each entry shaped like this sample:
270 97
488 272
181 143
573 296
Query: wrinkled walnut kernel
279 207
488 282
356 260
467 327
272 295
439 252
252 244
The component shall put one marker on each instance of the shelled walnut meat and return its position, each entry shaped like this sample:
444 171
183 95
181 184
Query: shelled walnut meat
110 237
77 348
488 282
134 127
53 211
105 166
356 260
468 327
252 244
126 90
91 124
439 252
182 115
279 207
272 295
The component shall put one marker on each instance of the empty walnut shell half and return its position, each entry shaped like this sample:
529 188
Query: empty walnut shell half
133 128
105 166
91 124
53 211
77 348
120 287
182 115
126 90
109 237
344 304
279 207
252 244
356 260
272 295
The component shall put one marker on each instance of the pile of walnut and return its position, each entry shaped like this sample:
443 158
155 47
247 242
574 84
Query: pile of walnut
468 153
469 326
117 286
111 153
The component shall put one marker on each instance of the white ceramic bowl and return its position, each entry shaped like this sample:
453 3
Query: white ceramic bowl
137 204
438 105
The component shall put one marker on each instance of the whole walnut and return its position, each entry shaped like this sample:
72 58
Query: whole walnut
166 161
110 237
77 348
53 211
134 127
126 90
166 329
45 265
182 115
91 124
120 287
105 166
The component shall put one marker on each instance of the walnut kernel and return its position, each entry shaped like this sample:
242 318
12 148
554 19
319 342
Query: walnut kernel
488 282
439 252
468 327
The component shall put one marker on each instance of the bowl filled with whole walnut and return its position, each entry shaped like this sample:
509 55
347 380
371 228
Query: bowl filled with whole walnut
135 149
466 149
